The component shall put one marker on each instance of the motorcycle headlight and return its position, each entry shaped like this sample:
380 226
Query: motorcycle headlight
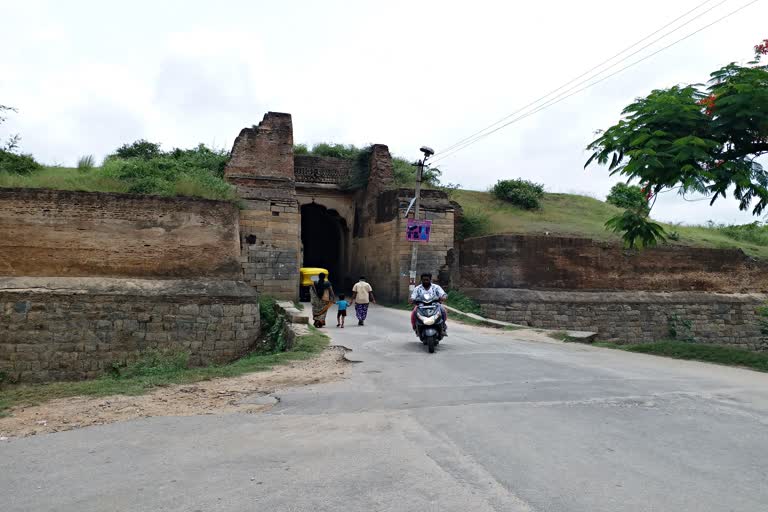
426 320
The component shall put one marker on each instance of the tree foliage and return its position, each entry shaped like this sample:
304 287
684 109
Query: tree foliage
697 138
636 229
694 138
623 195
139 149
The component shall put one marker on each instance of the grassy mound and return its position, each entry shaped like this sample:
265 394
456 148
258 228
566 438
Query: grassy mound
580 216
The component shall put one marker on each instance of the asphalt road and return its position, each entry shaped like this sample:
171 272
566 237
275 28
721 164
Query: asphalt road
489 422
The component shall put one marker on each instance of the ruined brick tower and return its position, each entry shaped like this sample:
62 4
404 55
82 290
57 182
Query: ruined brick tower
300 210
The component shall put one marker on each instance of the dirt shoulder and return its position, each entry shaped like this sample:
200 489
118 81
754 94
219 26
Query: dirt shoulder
218 396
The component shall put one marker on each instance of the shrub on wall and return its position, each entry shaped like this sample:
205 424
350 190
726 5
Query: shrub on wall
522 193
18 164
188 172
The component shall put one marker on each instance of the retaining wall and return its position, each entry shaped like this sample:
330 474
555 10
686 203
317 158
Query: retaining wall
632 317
76 328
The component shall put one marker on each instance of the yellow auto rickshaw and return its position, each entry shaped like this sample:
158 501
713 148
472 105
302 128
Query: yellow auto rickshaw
309 276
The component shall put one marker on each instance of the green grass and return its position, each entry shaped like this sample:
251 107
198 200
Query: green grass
698 352
458 300
95 180
158 370
581 216
64 178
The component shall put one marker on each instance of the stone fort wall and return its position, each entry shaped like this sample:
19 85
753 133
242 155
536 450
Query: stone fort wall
551 263
75 328
66 233
88 280
715 296
634 317
267 174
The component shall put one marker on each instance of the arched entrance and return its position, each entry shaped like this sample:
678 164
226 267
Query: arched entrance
325 239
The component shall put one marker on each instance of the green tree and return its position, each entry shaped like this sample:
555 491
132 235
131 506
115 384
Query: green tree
139 149
696 138
627 196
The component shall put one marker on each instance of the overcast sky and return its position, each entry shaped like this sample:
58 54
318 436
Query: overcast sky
90 76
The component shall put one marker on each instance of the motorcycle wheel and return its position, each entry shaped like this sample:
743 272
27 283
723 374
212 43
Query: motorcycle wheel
431 344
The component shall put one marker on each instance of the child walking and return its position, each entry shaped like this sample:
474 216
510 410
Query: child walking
342 314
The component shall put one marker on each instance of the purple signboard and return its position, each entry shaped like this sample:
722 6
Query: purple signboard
418 230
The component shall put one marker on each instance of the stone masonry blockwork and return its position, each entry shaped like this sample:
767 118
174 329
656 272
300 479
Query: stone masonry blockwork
67 233
75 328
633 317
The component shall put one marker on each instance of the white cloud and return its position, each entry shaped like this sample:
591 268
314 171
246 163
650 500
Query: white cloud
89 76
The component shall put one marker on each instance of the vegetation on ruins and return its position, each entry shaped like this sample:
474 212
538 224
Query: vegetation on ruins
404 171
146 169
141 167
11 160
693 138
472 222
521 193
86 162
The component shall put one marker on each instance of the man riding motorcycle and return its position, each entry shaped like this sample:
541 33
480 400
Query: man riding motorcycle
427 287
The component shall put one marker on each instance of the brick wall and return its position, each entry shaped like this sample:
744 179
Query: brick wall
541 262
271 247
384 255
65 233
375 257
75 328
264 151
262 169
633 317
323 170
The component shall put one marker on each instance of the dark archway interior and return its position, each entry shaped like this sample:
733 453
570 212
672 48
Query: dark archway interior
324 235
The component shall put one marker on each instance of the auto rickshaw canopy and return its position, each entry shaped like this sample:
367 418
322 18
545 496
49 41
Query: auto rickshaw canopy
309 275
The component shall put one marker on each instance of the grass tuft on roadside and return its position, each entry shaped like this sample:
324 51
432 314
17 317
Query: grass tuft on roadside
158 369
697 352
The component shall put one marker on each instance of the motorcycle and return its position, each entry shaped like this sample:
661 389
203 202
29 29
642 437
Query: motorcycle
429 322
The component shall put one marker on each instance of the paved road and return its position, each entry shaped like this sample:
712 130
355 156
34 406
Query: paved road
489 422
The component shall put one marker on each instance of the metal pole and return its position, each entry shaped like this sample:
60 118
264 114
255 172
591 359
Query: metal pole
415 245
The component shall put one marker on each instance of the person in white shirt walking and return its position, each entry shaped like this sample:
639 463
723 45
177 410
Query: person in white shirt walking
362 297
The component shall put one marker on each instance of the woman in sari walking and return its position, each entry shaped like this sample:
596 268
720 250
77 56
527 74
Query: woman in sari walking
322 296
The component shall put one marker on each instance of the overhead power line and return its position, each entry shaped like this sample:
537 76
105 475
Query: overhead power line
563 96
598 66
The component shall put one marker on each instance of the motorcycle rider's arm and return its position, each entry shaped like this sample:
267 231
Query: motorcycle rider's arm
413 295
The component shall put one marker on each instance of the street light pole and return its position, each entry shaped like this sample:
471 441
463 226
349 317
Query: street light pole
416 209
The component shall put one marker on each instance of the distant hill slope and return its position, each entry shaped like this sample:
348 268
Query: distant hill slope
581 216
